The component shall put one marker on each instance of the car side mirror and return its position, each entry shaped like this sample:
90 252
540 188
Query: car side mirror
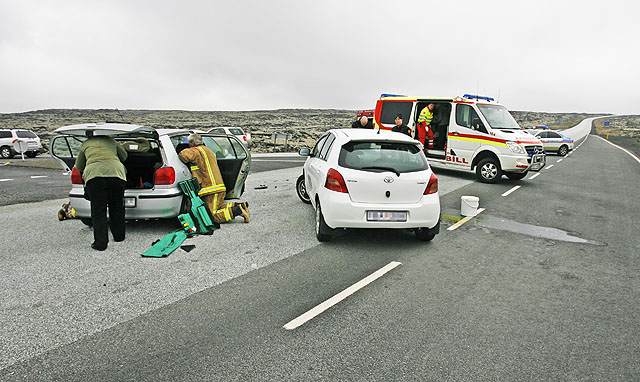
305 152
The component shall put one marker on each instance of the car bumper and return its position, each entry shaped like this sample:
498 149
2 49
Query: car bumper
163 203
340 212
520 163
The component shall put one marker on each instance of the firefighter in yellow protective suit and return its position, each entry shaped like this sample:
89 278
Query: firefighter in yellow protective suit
424 126
204 167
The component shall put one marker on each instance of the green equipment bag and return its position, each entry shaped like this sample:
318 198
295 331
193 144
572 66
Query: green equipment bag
197 221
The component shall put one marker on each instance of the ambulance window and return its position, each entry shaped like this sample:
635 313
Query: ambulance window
390 109
465 116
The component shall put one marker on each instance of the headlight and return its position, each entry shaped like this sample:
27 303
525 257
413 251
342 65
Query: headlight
516 147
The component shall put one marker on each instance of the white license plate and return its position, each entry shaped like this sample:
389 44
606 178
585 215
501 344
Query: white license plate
387 216
130 202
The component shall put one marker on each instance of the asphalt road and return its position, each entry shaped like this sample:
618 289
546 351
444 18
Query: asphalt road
542 285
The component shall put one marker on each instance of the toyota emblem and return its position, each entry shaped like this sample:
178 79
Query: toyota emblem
388 179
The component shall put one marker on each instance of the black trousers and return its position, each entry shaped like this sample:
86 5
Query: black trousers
103 193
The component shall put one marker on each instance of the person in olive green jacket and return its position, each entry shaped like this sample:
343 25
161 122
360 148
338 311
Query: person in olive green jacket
100 161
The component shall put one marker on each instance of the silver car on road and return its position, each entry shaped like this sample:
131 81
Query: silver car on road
153 166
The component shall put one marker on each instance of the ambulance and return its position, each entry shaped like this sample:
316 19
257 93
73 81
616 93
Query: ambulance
471 132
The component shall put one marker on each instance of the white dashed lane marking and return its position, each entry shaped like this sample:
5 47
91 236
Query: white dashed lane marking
38 176
310 314
5 180
534 176
559 160
511 190
549 167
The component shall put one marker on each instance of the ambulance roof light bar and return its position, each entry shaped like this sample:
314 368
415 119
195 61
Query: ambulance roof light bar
478 97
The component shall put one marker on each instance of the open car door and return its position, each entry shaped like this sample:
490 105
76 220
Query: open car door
234 161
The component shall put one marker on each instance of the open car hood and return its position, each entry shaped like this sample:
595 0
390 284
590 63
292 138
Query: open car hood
110 129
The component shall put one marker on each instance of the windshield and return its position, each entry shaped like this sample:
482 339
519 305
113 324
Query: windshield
382 156
498 117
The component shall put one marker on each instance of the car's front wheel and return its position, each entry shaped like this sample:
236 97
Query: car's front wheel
323 231
563 150
488 170
6 153
301 189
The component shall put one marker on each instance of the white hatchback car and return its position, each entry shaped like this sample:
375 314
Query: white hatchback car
357 178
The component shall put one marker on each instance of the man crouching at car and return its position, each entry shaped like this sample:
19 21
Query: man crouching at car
204 167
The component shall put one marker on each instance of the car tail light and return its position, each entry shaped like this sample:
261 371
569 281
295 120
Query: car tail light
76 176
335 182
432 186
165 175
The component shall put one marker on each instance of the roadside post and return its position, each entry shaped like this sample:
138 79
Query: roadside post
20 147
607 123
277 136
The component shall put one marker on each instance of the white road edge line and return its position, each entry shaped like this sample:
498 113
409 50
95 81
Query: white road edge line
537 174
548 167
310 314
511 190
5 180
621 148
461 222
38 176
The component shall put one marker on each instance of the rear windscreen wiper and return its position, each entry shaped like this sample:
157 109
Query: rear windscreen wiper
393 170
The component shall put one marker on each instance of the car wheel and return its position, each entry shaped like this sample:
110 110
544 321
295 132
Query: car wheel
87 221
301 189
563 150
516 175
323 231
31 154
488 170
6 152
425 234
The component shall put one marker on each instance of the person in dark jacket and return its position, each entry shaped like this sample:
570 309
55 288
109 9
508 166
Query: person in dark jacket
401 127
100 161
362 123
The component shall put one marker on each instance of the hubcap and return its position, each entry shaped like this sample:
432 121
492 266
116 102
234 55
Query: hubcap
303 190
489 171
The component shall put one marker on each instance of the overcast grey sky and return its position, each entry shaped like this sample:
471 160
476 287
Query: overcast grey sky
553 56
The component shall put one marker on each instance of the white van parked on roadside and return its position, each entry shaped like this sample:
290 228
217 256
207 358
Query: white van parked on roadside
470 132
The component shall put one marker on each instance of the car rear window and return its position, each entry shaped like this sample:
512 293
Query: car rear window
236 131
25 134
375 156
